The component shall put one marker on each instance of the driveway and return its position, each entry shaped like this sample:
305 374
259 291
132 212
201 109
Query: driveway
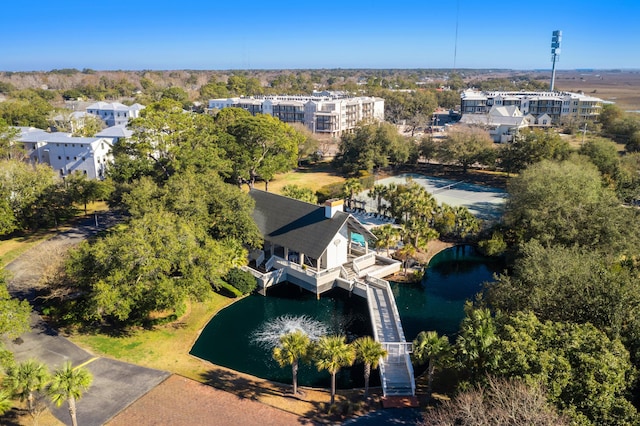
115 384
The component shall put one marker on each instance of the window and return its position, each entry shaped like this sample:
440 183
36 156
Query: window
75 158
59 158
67 158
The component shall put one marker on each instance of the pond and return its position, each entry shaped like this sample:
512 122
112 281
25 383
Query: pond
453 276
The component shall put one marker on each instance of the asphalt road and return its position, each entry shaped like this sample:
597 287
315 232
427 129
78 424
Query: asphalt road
116 384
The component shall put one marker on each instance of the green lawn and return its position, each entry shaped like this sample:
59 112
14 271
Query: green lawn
164 347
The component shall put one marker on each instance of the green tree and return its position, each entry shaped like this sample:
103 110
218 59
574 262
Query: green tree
387 235
332 353
8 136
300 193
435 350
465 146
26 380
604 154
477 346
566 203
24 185
370 352
530 147
587 375
68 384
351 187
14 314
263 146
377 193
84 190
293 348
5 401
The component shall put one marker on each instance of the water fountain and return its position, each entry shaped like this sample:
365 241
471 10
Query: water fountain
268 335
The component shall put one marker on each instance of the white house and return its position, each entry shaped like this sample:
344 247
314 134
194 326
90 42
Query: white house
116 133
115 113
67 154
502 122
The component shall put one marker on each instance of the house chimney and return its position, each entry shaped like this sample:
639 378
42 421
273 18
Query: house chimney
332 206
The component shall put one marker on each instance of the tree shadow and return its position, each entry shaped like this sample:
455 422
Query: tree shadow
258 390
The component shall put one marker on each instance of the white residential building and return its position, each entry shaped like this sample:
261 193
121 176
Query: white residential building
67 154
328 115
504 122
558 106
115 113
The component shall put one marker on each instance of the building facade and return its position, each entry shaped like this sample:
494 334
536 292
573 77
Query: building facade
327 115
67 154
561 107
115 113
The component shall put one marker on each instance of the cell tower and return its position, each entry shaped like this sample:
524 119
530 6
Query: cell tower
556 38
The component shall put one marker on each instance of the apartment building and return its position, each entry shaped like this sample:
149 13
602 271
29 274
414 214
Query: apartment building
559 106
329 115
67 154
115 113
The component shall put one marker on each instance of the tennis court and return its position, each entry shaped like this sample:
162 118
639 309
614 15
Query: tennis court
484 202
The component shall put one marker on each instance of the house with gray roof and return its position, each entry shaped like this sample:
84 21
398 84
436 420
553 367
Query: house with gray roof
312 246
115 113
67 154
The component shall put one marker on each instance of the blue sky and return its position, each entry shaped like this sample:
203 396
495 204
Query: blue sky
232 34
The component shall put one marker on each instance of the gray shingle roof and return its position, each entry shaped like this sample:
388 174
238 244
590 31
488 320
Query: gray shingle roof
295 224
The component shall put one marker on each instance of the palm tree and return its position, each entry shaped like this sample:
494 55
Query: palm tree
370 353
406 252
67 384
332 353
350 188
377 193
476 346
387 235
5 401
26 379
431 348
293 347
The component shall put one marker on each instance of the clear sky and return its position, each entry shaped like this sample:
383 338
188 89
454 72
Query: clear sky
250 34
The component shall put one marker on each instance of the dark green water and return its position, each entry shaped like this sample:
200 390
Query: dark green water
453 276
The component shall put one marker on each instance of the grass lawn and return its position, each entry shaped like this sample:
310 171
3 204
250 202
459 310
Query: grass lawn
14 246
313 177
165 347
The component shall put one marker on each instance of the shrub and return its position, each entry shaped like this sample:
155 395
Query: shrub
241 280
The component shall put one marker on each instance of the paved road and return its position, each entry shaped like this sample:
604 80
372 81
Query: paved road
116 384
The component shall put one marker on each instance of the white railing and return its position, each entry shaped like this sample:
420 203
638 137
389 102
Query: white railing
270 263
260 259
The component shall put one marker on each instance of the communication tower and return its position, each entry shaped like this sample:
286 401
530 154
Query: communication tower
556 38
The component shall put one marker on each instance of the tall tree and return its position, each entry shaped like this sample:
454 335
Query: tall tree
331 353
465 146
387 235
433 349
370 353
26 380
351 187
477 345
566 203
263 146
532 146
68 384
293 348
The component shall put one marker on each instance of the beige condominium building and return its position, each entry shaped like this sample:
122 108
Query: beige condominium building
561 107
329 115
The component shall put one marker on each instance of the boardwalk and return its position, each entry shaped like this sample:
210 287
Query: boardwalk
396 371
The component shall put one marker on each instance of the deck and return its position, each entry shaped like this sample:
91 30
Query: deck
362 277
